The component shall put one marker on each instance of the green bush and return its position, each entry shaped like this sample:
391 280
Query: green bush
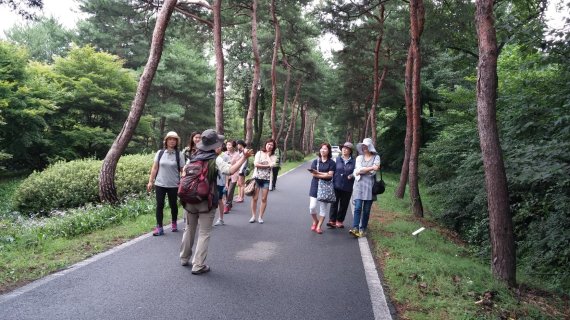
75 183
294 155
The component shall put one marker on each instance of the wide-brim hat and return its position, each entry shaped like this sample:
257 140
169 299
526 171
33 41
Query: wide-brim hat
211 140
348 145
172 134
368 143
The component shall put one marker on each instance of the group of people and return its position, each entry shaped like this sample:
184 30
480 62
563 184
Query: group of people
351 178
227 168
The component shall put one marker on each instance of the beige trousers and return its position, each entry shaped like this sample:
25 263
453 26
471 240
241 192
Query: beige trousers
204 220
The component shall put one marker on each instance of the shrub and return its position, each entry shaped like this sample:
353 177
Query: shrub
75 183
294 155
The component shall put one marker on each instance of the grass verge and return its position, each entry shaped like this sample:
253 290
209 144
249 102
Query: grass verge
433 276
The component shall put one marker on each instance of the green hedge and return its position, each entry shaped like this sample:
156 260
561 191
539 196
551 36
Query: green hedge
294 155
75 183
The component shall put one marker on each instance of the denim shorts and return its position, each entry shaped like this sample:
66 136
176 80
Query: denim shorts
221 191
262 184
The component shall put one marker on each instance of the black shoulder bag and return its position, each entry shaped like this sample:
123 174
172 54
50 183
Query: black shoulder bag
379 186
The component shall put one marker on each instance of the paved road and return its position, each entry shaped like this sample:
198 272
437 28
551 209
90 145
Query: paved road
277 270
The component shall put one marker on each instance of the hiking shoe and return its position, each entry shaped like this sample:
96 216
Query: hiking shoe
174 226
203 270
219 222
354 232
158 231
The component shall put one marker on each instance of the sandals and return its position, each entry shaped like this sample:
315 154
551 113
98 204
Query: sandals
331 224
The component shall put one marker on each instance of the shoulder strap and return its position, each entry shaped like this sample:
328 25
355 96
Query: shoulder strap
160 153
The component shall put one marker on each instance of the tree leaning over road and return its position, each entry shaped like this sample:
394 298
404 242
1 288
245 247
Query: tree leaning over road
503 257
107 188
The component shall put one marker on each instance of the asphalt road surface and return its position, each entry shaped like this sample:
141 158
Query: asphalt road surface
276 270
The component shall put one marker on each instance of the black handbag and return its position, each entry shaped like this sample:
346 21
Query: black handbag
379 186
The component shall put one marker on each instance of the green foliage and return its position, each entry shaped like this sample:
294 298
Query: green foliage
533 110
43 39
75 183
294 155
24 106
7 189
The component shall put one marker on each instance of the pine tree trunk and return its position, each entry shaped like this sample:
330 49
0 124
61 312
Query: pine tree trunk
376 89
219 96
503 260
256 75
418 15
401 189
107 188
285 98
293 106
302 130
276 46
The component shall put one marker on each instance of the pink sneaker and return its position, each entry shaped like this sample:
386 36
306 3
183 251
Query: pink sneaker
174 227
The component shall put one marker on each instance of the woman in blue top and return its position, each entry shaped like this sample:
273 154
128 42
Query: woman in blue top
367 163
322 168
343 183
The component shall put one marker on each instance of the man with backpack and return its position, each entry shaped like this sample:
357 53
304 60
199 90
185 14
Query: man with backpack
200 205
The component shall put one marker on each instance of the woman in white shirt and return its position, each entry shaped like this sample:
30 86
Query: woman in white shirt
264 162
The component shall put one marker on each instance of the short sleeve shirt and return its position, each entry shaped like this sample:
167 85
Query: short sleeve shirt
327 166
168 174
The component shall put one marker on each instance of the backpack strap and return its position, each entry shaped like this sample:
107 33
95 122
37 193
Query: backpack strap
160 153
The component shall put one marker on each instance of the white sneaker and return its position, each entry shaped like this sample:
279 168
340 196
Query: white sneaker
260 220
252 220
219 222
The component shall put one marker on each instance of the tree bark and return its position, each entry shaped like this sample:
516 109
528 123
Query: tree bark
400 190
256 75
503 260
285 100
299 110
376 89
293 106
219 97
416 18
302 130
276 46
260 115
107 188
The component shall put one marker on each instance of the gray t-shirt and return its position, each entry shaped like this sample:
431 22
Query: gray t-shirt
168 174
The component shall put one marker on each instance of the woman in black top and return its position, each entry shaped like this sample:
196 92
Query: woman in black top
322 168
343 183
